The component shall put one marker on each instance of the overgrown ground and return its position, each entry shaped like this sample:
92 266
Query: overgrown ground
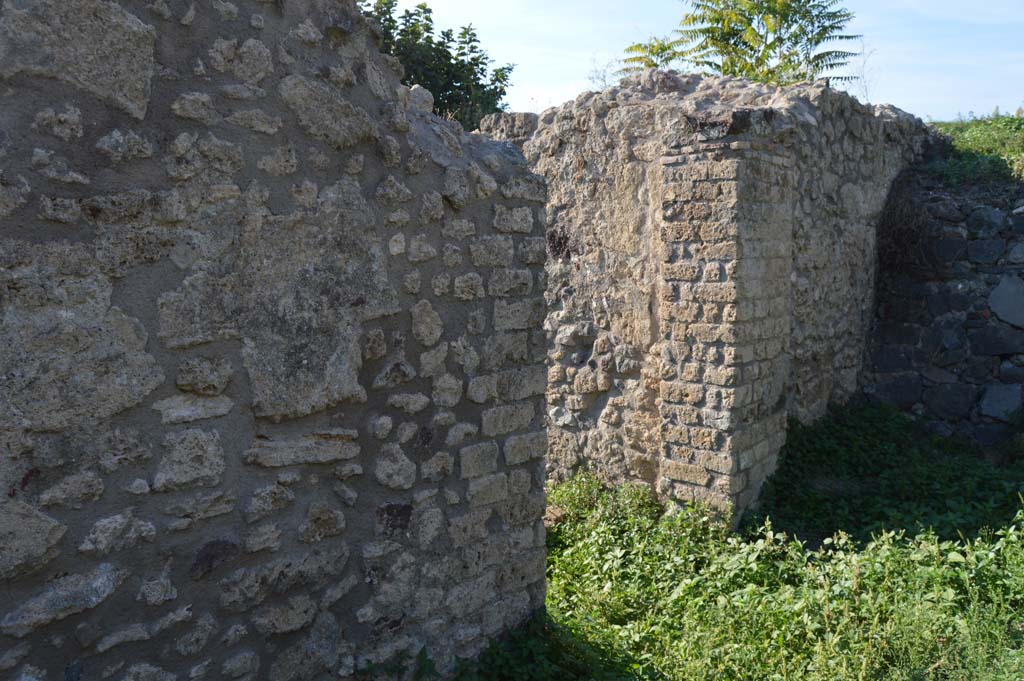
907 563
879 552
980 151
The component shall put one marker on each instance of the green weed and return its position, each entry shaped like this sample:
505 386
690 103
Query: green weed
979 151
637 592
869 468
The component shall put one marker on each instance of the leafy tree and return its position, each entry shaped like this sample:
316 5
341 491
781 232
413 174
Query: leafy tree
773 41
452 66
656 53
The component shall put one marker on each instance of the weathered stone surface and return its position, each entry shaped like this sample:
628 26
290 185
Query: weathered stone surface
394 469
31 673
199 507
326 446
74 491
124 146
95 45
297 613
265 537
426 323
322 522
986 220
410 403
653 309
28 539
129 634
121 531
93 362
324 114
513 219
1007 300
63 597
143 671
506 419
66 125
193 458
266 500
13 655
158 590
248 587
250 63
516 128
195 640
1000 401
189 408
478 460
197 106
317 653
950 401
488 490
204 376
14 194
522 448
240 664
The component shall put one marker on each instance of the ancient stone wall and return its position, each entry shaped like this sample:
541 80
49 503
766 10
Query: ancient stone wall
270 351
712 261
949 336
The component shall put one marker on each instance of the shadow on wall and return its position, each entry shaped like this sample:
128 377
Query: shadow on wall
948 343
869 468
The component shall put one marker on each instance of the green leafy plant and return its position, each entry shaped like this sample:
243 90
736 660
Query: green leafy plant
773 41
544 650
907 563
869 468
674 595
980 150
453 66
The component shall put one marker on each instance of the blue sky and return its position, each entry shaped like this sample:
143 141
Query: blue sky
934 58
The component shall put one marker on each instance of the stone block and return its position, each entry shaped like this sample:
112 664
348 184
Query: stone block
507 419
951 401
1007 300
1000 401
478 460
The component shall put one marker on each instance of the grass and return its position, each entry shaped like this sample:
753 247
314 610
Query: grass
867 469
638 593
979 151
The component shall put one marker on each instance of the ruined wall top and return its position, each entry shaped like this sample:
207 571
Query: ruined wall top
714 106
711 272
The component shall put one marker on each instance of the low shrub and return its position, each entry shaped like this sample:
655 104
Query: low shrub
979 150
638 592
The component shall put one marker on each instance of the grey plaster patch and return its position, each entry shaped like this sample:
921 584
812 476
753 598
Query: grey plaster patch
93 44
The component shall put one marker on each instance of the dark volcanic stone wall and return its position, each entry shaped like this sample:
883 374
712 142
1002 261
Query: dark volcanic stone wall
272 375
949 332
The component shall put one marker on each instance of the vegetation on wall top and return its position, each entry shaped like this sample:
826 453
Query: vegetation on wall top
985 149
453 66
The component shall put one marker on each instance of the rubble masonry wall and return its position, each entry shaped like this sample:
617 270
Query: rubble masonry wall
270 349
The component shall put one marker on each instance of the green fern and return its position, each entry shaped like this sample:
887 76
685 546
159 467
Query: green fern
654 54
772 41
